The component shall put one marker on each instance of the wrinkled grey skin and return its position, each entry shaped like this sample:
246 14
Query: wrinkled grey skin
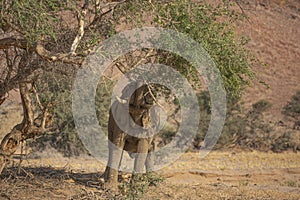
140 110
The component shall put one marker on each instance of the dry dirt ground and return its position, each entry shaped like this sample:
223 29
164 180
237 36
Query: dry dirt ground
233 174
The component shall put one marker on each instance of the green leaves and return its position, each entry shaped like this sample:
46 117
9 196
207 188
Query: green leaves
35 19
211 26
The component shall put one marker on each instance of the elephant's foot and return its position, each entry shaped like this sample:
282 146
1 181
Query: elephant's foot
104 176
111 187
110 180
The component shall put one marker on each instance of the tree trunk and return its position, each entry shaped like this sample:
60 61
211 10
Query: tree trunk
23 131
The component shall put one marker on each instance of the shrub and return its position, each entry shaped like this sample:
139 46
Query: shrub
292 108
139 185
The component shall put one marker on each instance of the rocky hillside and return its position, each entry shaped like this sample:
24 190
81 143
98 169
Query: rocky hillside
274 30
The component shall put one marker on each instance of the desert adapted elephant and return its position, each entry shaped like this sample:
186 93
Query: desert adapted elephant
141 104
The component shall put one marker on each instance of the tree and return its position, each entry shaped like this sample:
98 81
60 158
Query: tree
42 38
39 37
292 109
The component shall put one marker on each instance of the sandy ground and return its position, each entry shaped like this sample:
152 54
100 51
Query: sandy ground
232 174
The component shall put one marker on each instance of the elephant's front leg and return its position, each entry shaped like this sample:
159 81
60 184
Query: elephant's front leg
115 154
140 159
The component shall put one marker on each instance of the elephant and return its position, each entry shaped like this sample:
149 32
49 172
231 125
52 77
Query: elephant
145 118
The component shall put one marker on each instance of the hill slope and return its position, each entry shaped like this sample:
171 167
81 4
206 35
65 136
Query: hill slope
274 30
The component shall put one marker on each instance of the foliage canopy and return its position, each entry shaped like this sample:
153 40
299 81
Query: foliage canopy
44 42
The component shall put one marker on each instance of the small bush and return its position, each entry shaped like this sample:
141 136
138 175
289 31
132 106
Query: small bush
261 106
139 185
292 108
291 183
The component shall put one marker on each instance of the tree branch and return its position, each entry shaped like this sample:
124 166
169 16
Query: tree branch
63 57
106 9
152 95
80 16
28 116
6 43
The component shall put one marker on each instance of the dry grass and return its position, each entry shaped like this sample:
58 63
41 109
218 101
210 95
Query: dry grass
220 175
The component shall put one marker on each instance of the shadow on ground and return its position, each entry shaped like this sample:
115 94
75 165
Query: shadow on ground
49 183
